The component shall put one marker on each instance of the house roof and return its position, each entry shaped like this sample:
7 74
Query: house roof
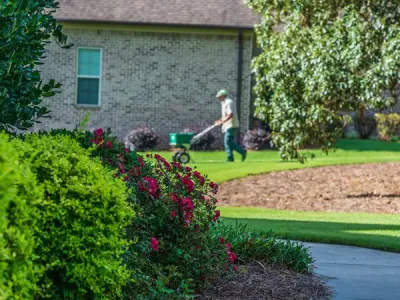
191 13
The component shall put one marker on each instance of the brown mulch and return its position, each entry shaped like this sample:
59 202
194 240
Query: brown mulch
258 282
372 188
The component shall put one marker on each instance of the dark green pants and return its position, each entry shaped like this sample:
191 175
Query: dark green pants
230 143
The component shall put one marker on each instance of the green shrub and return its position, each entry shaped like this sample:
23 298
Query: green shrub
18 194
81 222
265 247
388 125
173 251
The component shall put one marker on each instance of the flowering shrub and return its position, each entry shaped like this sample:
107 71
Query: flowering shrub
141 139
173 252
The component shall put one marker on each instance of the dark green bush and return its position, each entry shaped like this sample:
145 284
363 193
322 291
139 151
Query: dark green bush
365 125
81 222
18 194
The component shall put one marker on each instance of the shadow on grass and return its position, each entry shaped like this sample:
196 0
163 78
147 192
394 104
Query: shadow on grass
329 232
368 145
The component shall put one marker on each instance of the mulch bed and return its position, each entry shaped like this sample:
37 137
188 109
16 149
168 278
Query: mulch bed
256 281
372 188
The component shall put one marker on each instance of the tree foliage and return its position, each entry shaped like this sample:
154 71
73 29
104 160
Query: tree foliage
322 58
25 28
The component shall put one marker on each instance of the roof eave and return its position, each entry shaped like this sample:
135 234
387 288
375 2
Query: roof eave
202 26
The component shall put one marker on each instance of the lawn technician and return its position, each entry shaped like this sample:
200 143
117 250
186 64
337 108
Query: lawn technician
230 126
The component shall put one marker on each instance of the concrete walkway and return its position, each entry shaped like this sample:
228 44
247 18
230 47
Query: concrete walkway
358 273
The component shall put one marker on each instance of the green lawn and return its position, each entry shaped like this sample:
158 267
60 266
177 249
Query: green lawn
376 231
349 152
367 230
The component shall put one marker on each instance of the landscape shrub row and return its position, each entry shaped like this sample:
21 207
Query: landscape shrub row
86 218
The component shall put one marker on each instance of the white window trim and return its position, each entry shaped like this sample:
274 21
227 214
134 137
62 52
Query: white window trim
89 76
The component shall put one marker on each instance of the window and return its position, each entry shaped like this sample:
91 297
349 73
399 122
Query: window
89 76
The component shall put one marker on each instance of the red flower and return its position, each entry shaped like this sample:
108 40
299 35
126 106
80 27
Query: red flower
126 150
109 145
154 244
199 177
126 178
141 161
98 141
228 246
173 214
152 186
188 216
235 268
174 197
188 169
187 204
222 240
135 171
148 155
214 187
121 168
217 215
188 183
167 165
177 165
232 256
142 187
98 132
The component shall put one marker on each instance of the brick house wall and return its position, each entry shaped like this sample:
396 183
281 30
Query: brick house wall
166 81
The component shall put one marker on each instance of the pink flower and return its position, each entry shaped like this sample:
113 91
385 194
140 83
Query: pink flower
98 132
235 268
109 145
126 150
228 246
154 244
173 214
222 240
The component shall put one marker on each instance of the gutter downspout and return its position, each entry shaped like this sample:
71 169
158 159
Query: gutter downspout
239 77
